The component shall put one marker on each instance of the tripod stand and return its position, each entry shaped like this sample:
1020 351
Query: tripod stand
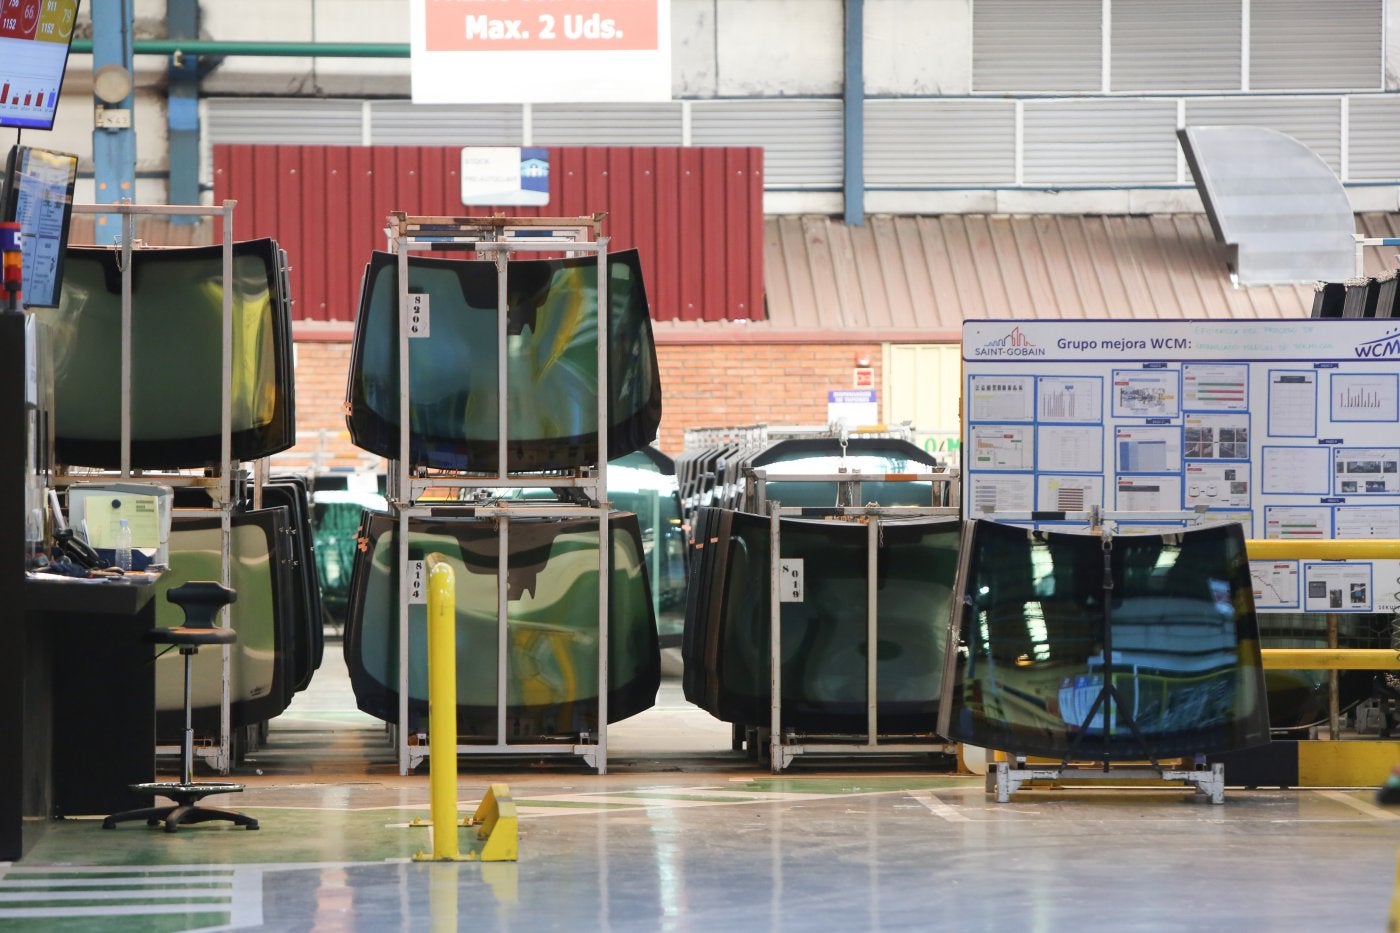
1109 701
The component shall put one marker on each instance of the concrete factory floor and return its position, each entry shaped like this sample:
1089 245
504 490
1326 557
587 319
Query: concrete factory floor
684 834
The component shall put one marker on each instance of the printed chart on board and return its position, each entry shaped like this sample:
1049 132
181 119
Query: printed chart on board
1291 427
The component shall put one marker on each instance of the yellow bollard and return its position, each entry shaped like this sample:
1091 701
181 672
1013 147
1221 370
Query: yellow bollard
442 706
497 832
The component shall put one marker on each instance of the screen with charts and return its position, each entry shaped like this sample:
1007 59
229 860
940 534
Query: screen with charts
34 40
38 194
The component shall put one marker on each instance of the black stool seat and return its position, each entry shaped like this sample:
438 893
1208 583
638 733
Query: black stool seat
201 600
191 635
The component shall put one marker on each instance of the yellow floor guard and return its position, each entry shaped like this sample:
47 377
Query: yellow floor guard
497 836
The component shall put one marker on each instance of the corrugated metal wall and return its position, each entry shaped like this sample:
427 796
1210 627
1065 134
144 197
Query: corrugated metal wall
910 143
1306 45
1057 46
696 214
1175 45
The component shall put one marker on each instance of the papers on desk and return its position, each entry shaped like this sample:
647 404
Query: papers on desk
104 515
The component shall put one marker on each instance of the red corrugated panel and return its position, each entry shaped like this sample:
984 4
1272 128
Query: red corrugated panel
696 215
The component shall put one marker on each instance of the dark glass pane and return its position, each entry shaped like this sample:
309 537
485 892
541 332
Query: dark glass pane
308 629
1185 644
828 455
644 483
337 520
259 665
176 357
552 363
824 637
552 658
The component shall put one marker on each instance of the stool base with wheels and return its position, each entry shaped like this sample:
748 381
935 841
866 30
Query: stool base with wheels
201 600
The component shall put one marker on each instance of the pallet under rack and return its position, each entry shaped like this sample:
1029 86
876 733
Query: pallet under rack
497 238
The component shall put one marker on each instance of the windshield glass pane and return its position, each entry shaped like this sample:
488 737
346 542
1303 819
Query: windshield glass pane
1185 644
552 606
863 454
176 411
552 363
824 637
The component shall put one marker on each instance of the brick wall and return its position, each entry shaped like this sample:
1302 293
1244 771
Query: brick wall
703 385
719 385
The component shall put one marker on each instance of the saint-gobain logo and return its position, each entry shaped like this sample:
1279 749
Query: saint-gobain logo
1381 348
1013 344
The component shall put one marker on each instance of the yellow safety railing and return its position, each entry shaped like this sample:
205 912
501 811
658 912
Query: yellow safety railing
1330 659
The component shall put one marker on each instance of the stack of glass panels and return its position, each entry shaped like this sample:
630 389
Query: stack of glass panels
262 663
177 299
552 627
1026 659
726 645
552 363
869 455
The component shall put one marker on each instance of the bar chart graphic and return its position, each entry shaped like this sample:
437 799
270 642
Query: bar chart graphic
1069 398
1365 397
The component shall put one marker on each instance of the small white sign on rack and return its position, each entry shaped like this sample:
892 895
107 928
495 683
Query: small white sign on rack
417 323
790 588
417 582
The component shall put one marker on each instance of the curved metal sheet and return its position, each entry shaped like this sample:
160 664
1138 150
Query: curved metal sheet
1274 202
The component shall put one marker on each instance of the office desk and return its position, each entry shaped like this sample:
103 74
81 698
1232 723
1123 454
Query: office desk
102 689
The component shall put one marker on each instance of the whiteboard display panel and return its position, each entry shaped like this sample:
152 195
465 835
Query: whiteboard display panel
1291 427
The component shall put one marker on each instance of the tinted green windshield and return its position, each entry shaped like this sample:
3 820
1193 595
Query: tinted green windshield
824 635
1031 664
552 657
176 411
551 363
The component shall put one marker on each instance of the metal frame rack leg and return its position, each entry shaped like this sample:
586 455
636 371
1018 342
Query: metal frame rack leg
499 237
219 487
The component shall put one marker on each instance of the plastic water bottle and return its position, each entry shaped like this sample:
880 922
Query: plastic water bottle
124 545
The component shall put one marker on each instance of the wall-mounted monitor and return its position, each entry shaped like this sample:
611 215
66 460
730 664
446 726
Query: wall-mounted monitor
34 40
38 193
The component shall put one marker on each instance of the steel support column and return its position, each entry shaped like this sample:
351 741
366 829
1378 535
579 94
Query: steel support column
113 134
182 109
853 180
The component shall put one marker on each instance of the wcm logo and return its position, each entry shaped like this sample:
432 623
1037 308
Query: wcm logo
1380 348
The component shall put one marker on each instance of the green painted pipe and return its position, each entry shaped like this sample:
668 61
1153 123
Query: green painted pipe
299 49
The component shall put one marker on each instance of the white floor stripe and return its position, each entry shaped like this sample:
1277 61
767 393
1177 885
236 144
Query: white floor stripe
940 809
143 882
247 898
58 897
1367 808
110 910
156 872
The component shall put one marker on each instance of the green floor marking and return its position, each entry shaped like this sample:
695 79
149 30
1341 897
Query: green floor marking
146 923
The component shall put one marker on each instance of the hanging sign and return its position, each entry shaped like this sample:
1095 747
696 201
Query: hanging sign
524 51
505 175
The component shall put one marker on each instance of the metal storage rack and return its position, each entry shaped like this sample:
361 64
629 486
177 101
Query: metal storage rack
221 485
497 238
784 746
1005 778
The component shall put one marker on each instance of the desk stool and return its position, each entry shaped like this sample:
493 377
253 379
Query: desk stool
201 601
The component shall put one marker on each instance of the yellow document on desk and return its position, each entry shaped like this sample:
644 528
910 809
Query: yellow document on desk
104 514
